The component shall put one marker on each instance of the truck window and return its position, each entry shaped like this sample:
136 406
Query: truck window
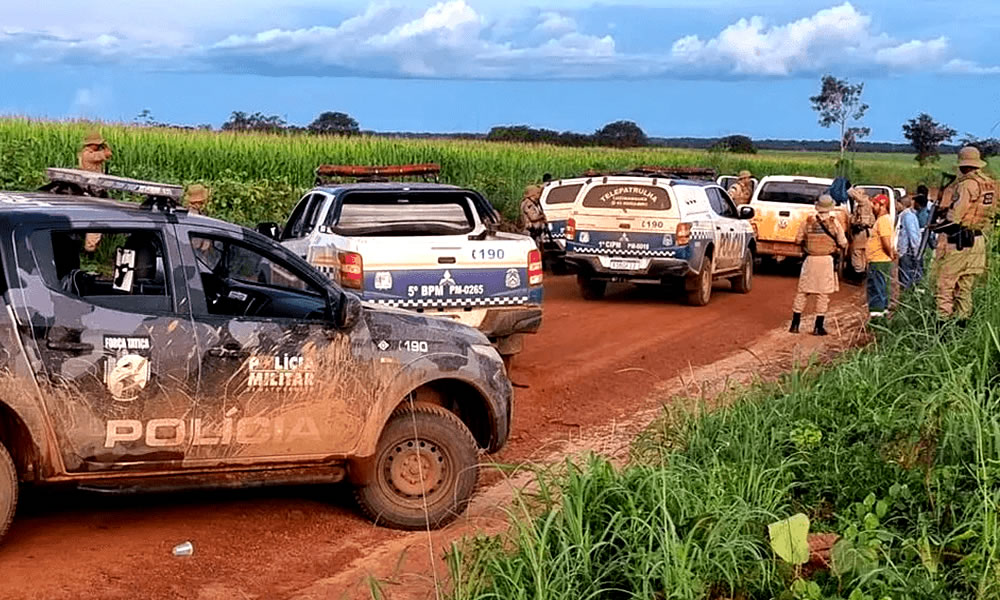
563 194
401 214
303 218
119 269
793 192
626 195
721 204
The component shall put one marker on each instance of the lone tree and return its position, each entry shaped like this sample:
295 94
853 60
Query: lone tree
336 123
839 103
621 134
737 144
925 135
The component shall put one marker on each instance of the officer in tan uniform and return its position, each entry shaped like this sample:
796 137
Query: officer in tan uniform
963 257
532 216
862 221
92 157
197 197
822 237
94 154
742 190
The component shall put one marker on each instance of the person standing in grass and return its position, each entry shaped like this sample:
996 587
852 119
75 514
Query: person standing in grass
742 190
962 245
821 237
908 248
880 254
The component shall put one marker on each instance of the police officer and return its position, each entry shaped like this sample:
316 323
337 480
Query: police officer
532 216
94 154
197 196
862 221
963 250
822 237
742 190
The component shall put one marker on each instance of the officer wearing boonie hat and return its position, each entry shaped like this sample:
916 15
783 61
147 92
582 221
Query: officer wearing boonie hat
822 237
742 190
94 154
963 256
197 196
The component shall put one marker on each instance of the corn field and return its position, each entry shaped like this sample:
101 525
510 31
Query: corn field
258 177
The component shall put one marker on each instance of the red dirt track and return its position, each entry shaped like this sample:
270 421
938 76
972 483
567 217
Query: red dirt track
592 363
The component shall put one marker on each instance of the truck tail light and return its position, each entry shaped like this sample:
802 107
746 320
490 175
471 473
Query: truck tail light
535 272
683 233
352 272
571 229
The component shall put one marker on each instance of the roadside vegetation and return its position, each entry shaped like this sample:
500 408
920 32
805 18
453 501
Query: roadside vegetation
258 177
894 447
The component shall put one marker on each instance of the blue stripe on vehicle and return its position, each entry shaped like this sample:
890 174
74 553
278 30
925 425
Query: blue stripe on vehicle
623 243
558 229
447 287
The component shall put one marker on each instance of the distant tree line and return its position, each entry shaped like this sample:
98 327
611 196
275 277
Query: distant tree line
620 134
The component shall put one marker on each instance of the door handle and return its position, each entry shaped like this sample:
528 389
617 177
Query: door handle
784 213
64 346
228 351
446 260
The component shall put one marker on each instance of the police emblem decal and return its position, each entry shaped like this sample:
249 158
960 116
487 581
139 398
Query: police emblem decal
383 280
512 279
126 366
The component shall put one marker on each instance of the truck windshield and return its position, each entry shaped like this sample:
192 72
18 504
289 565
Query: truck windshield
625 195
794 192
401 214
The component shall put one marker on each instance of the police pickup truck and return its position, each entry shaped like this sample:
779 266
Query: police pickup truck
649 226
421 246
189 352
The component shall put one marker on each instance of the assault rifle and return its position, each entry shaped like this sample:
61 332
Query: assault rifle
936 219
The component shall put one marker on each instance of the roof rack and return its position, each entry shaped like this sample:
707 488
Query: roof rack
706 173
362 173
77 182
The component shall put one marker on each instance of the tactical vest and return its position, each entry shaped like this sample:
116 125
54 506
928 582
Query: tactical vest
740 193
817 242
863 214
982 202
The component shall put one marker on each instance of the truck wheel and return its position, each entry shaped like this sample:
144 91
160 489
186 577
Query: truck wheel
426 468
8 490
701 287
591 289
743 282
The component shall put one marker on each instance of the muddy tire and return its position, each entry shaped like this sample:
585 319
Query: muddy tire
8 490
591 289
743 283
700 288
425 479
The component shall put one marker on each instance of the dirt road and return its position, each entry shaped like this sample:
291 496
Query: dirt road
593 363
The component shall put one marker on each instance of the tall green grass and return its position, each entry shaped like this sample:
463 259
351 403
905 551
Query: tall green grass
896 447
259 176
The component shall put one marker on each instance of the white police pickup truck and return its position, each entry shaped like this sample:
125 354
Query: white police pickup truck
557 203
421 246
650 227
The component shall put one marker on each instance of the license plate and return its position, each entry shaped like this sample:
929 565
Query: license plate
625 264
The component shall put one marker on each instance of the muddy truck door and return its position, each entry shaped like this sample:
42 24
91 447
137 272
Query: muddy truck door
279 380
110 331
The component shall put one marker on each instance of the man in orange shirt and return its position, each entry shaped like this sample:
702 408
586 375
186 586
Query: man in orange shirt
881 253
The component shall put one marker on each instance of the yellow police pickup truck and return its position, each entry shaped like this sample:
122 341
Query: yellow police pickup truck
781 203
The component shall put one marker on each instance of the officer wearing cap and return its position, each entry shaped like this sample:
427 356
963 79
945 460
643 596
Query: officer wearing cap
532 217
94 154
963 251
742 190
822 237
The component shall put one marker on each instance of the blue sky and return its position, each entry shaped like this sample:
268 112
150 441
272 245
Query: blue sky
677 67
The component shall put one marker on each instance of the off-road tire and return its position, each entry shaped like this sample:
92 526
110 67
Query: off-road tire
591 289
440 437
743 283
8 490
701 286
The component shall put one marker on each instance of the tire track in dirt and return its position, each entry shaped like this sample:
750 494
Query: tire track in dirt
594 364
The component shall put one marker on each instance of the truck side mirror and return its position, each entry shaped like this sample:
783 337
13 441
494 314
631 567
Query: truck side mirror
747 212
269 229
348 311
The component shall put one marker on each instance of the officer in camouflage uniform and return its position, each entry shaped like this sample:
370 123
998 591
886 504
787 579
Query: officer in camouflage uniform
532 216
742 190
963 256
862 221
822 237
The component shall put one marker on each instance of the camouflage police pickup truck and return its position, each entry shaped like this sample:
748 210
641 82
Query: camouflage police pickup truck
188 352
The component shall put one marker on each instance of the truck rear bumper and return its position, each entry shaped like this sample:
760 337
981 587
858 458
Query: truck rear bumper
653 269
779 249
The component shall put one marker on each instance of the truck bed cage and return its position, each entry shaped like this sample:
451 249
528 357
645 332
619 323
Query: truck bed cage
77 182
363 173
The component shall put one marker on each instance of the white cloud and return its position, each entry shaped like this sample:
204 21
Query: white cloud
88 101
452 39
